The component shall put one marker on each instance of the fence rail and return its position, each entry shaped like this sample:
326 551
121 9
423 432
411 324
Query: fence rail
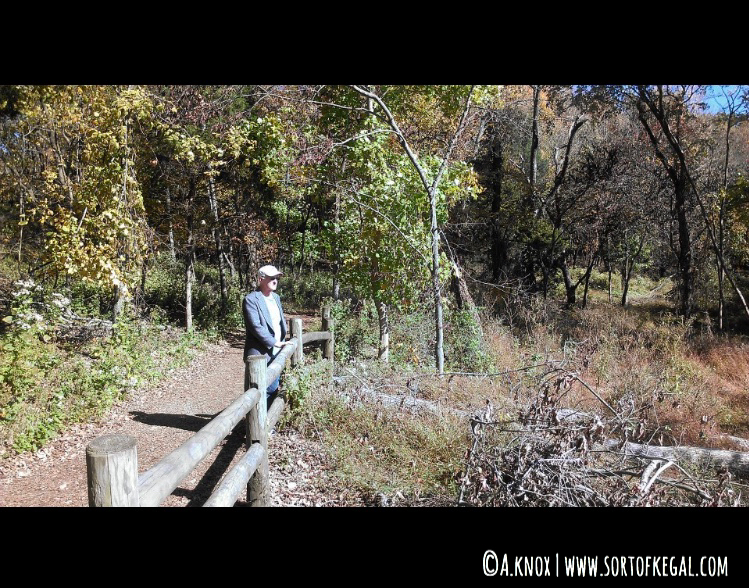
112 460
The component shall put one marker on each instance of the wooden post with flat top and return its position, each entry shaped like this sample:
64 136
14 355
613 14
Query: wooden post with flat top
112 469
327 325
258 488
296 331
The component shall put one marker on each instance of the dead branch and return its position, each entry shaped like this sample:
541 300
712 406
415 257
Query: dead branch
562 457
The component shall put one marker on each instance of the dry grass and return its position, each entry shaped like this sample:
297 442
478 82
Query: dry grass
726 367
679 383
384 450
670 382
687 386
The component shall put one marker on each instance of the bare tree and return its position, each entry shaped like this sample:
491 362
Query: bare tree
678 172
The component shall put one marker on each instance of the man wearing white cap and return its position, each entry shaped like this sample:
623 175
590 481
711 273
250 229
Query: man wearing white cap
265 325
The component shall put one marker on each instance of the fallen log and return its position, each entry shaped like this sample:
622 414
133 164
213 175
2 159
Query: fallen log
743 443
735 462
408 402
78 328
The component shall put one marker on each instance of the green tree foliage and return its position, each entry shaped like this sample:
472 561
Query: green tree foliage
383 215
98 180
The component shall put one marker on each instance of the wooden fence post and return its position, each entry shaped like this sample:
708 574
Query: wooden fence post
296 331
258 488
112 469
327 325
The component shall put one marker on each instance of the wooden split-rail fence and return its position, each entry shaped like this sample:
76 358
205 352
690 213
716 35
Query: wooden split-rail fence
112 460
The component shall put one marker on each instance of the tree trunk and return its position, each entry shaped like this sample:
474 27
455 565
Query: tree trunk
534 147
188 285
189 259
143 275
432 194
629 266
239 268
678 175
119 302
625 283
569 288
721 273
383 352
625 271
120 289
721 221
609 283
230 263
544 279
438 347
498 251
216 230
463 297
172 250
20 235
608 262
587 280
685 249
251 267
65 182
302 252
376 279
735 461
336 252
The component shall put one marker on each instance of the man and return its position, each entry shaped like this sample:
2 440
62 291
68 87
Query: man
265 325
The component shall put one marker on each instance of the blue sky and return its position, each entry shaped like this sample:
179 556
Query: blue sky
716 101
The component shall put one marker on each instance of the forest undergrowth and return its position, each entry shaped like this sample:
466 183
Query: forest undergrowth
534 409
545 410
64 362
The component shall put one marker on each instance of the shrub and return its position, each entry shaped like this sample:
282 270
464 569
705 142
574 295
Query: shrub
600 280
464 344
165 288
356 328
306 291
301 382
165 295
412 337
44 388
91 299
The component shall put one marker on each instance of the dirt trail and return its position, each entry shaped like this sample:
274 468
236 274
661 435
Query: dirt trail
161 419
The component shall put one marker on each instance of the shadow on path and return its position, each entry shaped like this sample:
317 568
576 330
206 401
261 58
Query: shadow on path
186 422
230 446
233 444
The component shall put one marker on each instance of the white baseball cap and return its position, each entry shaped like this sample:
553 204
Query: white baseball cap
269 271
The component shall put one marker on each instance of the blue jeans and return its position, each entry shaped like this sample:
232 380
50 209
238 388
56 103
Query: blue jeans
273 387
270 393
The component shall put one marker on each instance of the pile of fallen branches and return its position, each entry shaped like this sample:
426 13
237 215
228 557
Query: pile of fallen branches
73 328
554 456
